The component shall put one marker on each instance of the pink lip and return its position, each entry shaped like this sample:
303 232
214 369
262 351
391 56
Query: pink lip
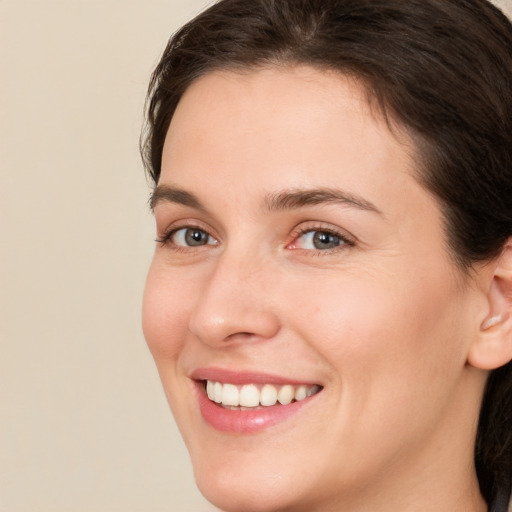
249 421
241 378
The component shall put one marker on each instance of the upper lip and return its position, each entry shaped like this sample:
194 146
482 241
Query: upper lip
245 377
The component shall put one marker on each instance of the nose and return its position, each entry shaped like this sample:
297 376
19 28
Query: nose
234 306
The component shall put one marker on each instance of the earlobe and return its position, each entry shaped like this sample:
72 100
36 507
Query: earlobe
492 346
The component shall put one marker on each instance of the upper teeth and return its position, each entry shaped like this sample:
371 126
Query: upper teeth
251 395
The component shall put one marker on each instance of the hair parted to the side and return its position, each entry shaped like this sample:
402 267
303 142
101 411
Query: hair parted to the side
442 69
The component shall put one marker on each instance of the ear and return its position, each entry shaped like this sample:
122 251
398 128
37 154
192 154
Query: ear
492 346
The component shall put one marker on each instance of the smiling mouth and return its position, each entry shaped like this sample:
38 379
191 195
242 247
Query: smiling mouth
253 396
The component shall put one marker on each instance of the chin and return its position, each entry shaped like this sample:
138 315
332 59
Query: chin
251 480
248 493
248 478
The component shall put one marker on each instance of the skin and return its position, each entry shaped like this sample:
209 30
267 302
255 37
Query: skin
384 322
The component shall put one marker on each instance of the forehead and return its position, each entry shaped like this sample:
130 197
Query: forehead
298 82
275 89
293 113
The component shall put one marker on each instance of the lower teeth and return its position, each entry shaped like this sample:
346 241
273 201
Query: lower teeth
241 408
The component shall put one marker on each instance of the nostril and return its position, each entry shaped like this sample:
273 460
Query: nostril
240 335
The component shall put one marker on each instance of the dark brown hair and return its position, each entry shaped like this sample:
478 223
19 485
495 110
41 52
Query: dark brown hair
440 68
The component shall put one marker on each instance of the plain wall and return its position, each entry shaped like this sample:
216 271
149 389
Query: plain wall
84 425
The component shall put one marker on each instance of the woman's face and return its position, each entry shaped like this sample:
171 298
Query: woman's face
299 256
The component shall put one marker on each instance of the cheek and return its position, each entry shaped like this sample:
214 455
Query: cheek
164 313
394 356
165 308
377 332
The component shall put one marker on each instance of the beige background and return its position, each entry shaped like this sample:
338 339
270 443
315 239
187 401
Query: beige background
84 425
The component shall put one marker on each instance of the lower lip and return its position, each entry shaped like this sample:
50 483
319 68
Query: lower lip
245 421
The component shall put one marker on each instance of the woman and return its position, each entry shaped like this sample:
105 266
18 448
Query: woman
329 301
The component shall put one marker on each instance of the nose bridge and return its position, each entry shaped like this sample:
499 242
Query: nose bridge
234 305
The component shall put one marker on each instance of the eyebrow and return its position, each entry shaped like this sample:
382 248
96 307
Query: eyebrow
285 200
166 193
297 198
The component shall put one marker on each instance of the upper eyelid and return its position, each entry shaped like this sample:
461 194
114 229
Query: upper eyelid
346 241
308 226
300 229
164 237
184 223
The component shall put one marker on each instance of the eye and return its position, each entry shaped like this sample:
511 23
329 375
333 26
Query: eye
319 240
188 237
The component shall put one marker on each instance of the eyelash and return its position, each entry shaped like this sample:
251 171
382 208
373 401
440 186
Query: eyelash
304 230
166 238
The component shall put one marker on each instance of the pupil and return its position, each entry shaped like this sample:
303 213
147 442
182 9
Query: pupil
196 237
323 240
